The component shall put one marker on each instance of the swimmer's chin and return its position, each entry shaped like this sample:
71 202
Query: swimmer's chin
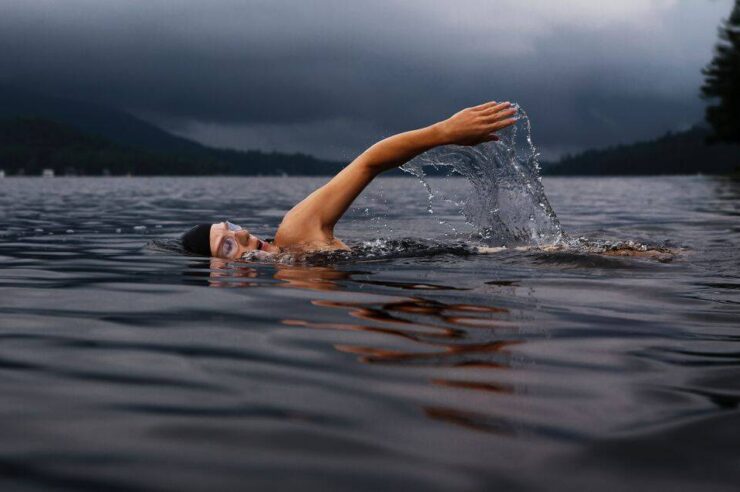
258 254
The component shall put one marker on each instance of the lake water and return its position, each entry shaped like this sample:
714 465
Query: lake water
127 367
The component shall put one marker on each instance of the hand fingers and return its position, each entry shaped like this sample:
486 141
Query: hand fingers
488 105
496 117
484 105
504 112
492 106
501 124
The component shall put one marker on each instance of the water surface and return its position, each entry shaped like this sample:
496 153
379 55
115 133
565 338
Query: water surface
127 367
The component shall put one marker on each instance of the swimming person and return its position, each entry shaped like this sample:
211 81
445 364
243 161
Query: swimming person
309 226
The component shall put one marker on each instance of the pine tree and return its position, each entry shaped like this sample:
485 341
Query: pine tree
722 82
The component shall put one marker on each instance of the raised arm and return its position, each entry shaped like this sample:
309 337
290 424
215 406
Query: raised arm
314 218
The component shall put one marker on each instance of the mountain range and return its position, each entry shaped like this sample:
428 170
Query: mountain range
77 137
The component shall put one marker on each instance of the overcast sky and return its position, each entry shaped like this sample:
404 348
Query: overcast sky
330 77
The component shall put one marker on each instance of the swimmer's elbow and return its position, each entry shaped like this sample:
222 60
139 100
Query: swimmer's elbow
371 168
377 160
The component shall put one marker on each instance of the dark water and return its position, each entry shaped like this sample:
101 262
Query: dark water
125 367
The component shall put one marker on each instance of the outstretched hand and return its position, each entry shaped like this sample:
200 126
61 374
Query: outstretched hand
478 124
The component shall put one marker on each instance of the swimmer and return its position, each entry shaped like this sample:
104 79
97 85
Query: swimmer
309 226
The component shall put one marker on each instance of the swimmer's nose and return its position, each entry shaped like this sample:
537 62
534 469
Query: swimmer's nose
243 238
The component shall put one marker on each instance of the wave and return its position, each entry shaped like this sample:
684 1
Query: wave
420 249
506 201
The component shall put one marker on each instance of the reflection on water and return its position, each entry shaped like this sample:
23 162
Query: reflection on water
440 331
234 276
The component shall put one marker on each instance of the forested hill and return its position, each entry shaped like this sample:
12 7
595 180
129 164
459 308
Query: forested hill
674 153
39 132
92 119
29 145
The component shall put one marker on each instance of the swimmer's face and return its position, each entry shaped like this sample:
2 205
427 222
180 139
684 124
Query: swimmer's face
230 241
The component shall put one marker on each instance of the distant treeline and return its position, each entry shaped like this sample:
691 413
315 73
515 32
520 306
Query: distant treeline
674 153
28 145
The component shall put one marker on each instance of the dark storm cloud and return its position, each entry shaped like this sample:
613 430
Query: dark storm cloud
328 77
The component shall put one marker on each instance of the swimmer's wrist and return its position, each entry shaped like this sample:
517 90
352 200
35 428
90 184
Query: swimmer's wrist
438 134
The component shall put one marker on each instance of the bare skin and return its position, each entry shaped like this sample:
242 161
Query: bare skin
309 226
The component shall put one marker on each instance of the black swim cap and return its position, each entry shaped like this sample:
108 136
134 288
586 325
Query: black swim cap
198 240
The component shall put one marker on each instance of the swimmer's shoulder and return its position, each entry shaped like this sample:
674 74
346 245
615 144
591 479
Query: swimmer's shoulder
301 245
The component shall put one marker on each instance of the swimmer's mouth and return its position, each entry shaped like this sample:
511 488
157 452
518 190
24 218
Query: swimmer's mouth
260 245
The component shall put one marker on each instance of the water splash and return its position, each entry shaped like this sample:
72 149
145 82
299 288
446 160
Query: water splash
507 204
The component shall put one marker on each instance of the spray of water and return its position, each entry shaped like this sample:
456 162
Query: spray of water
507 204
